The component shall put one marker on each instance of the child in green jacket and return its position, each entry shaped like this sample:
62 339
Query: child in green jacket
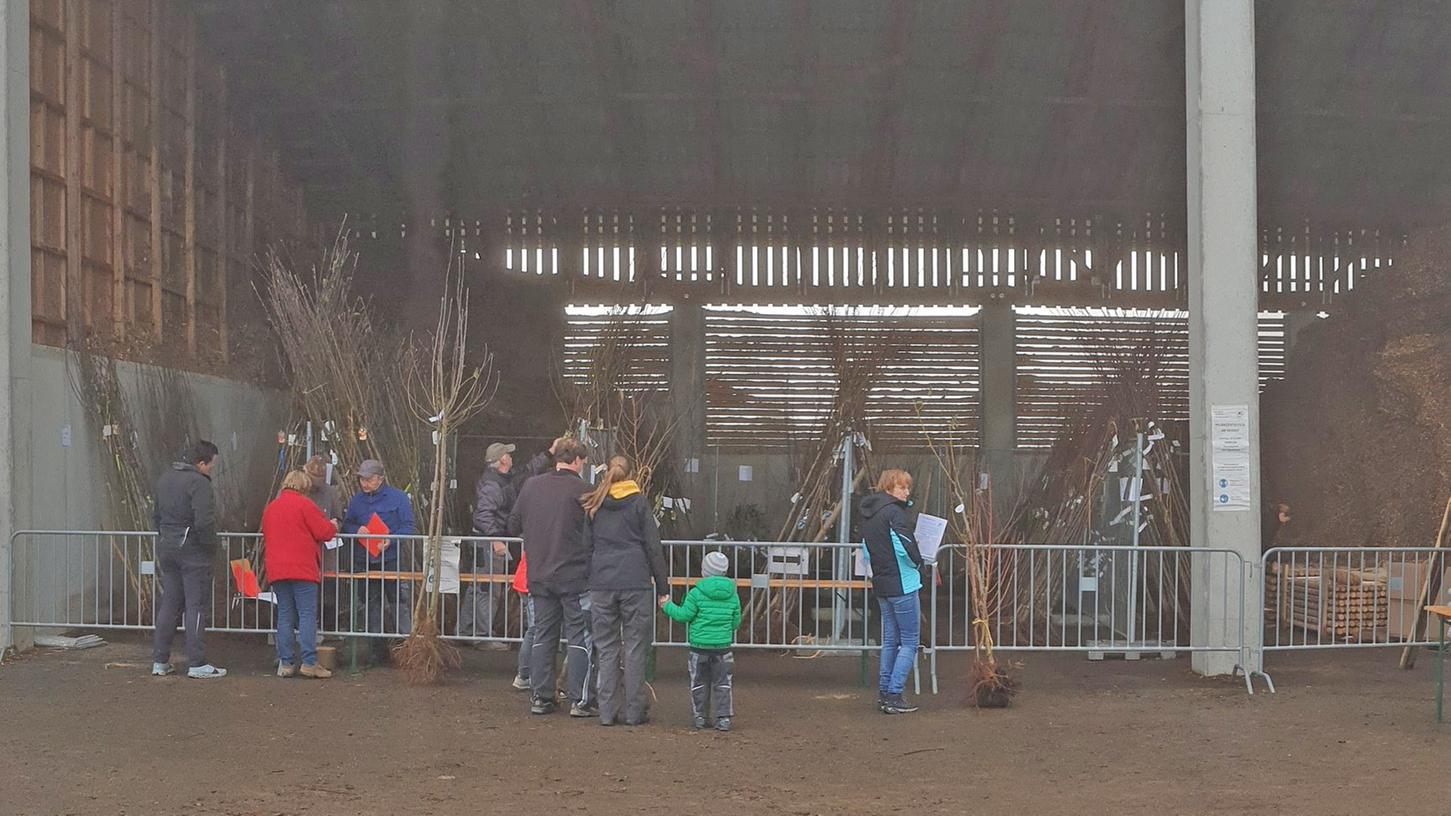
711 612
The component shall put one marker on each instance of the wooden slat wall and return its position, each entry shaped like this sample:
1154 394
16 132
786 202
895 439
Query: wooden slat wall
650 356
1056 370
141 186
770 378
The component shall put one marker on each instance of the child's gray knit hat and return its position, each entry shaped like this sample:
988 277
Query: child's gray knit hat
715 563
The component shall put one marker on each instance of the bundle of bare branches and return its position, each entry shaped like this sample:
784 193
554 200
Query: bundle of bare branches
446 392
345 368
617 407
1064 504
973 526
858 360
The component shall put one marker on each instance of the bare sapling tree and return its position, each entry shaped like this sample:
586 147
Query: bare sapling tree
448 390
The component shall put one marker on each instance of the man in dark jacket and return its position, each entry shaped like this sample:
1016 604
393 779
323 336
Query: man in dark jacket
186 523
549 515
493 501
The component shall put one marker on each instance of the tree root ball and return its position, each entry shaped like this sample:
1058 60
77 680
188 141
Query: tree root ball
992 687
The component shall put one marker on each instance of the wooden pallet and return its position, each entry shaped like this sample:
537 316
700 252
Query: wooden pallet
1349 605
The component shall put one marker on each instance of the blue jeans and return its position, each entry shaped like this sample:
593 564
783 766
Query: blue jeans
296 609
901 635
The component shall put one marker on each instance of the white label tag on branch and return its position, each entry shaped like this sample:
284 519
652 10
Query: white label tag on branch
435 438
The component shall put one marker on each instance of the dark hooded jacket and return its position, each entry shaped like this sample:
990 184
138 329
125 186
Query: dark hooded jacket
624 544
890 548
493 501
185 507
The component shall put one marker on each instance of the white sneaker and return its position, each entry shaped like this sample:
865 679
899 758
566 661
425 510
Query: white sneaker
207 672
520 684
162 669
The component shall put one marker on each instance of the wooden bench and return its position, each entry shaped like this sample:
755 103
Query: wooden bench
1442 614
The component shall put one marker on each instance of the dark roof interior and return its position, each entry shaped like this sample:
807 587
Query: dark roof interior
1051 107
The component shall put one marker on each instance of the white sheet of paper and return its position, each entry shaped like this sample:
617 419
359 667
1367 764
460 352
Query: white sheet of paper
334 544
929 533
863 566
448 582
267 597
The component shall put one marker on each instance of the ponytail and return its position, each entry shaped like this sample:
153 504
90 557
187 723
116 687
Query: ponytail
619 470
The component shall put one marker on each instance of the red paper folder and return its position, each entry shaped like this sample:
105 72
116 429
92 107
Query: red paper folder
244 578
374 527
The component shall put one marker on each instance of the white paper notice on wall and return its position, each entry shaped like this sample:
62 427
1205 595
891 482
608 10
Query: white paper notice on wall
692 465
1230 455
65 436
747 473
148 567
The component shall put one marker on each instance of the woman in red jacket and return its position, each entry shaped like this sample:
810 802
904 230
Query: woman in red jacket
293 529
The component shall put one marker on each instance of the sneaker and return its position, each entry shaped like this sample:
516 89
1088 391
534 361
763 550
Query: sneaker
723 724
697 724
583 710
882 701
538 706
162 669
495 646
642 721
286 670
897 704
316 672
207 672
520 684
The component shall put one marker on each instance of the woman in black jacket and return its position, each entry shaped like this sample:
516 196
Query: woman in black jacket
625 560
896 564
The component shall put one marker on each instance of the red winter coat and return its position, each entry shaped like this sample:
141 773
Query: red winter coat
292 529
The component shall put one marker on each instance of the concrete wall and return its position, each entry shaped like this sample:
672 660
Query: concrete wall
68 579
69 467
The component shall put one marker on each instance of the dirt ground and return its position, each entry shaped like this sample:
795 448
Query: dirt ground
1348 733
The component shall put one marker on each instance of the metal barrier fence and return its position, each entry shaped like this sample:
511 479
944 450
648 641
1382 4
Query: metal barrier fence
1101 600
1348 597
804 598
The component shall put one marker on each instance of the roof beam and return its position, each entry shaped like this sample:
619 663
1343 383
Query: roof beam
883 158
706 64
983 62
800 128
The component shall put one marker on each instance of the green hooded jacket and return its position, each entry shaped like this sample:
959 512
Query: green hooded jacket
711 612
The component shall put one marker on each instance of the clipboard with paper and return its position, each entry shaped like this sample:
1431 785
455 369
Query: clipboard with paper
929 533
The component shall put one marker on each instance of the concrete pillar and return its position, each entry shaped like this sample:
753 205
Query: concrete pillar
687 399
1223 301
14 292
998 400
1296 322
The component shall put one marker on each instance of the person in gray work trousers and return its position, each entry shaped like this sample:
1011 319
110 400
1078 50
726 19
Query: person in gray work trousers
627 581
494 497
551 518
186 544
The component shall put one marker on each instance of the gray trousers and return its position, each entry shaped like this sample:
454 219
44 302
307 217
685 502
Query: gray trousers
526 642
551 611
710 676
186 587
622 623
480 603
